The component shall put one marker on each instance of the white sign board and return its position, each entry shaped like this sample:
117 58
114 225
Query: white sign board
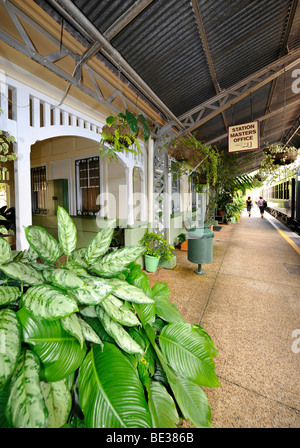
243 137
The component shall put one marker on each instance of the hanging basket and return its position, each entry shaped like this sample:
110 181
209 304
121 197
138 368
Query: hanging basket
119 126
282 157
180 151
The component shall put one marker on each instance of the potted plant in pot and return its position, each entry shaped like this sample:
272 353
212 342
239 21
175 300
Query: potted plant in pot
183 241
156 247
120 133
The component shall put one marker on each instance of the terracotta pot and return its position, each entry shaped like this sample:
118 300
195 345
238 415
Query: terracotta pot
184 245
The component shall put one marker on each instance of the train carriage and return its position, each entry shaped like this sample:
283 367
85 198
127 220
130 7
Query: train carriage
283 200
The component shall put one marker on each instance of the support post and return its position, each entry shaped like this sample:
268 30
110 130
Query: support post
22 171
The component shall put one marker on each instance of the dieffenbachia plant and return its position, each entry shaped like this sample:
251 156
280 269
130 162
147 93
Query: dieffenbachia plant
86 342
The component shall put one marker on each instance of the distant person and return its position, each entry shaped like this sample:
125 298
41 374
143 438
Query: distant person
249 205
261 206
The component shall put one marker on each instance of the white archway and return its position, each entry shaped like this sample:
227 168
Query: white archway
34 117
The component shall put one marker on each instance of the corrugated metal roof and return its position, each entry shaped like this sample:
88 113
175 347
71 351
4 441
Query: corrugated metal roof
163 44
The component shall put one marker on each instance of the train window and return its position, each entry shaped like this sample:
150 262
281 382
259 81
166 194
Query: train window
288 190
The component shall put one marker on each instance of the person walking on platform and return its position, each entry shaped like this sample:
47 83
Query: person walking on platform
261 205
249 205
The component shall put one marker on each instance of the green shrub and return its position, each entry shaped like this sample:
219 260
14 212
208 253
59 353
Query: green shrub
156 245
86 342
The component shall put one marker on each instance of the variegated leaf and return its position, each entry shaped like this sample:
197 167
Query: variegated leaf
100 243
89 334
72 325
124 256
23 273
77 257
58 401
90 296
5 251
26 407
48 302
67 233
125 291
62 278
88 311
31 254
10 343
73 267
44 244
9 294
117 311
107 270
46 274
118 333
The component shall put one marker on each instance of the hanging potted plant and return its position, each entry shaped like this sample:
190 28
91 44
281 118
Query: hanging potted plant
120 133
156 247
6 153
194 157
281 155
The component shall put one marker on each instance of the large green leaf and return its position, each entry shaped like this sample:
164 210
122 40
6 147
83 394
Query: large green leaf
10 343
5 251
110 393
89 334
164 308
192 401
62 278
107 270
9 294
23 273
72 325
67 232
125 291
96 291
118 333
100 243
44 244
59 352
146 128
26 407
162 407
132 122
188 353
48 302
58 401
117 311
124 256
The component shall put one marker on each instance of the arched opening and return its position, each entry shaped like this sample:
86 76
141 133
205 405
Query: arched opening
69 172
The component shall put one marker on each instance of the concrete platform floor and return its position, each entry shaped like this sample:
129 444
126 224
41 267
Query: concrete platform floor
249 304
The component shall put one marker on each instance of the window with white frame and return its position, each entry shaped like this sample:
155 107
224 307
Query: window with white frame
87 186
39 190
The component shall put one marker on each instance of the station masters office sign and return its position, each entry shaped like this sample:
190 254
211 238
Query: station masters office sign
243 137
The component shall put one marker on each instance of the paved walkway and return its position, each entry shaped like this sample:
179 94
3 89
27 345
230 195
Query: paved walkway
249 302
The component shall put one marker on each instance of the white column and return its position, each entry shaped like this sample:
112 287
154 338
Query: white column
167 203
150 165
129 191
143 204
22 170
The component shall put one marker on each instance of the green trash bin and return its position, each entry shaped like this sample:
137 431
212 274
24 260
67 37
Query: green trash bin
200 247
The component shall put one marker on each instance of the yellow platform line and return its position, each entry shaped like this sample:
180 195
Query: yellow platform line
291 242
